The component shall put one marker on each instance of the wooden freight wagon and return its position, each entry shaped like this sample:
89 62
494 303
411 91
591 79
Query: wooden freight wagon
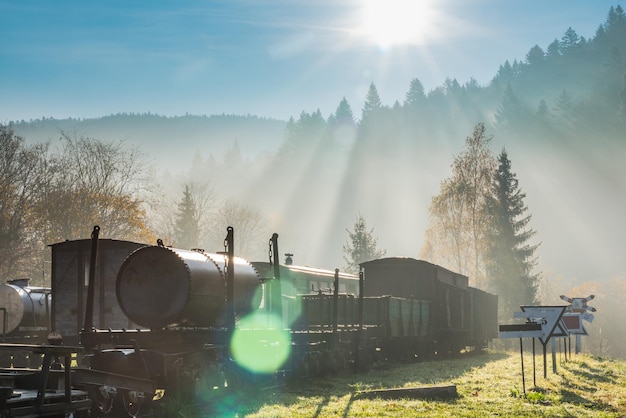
449 293
318 311
400 317
484 317
70 275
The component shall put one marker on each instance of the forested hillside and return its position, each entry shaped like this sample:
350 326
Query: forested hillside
559 113
169 140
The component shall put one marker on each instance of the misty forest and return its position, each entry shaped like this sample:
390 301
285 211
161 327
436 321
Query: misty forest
518 184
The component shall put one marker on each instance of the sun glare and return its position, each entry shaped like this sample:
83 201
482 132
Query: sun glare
396 22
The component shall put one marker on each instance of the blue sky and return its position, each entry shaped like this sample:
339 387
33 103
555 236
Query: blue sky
272 58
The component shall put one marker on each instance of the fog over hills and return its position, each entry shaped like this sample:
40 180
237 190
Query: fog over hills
576 195
170 141
560 112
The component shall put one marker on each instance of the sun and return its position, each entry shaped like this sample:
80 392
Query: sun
387 23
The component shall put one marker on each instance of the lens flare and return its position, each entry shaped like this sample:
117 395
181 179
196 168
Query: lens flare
292 306
260 344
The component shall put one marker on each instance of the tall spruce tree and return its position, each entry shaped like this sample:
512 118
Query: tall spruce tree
512 114
415 97
510 257
343 114
372 103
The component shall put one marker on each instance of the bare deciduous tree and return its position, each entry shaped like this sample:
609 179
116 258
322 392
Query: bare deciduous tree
93 182
251 236
21 174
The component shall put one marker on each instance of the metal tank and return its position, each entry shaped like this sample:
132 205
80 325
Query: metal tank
23 309
159 287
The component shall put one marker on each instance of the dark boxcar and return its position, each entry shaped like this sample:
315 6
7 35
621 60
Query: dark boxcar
448 292
484 317
70 274
407 277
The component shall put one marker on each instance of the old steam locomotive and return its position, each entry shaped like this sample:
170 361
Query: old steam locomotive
153 324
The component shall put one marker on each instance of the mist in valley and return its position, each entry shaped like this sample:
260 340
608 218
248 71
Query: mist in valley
385 158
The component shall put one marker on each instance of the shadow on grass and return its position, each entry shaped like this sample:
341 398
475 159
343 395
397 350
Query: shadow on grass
575 398
592 374
383 375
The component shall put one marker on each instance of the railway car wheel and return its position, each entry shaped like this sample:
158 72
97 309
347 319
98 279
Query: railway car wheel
132 402
328 364
317 365
128 403
210 383
299 366
102 400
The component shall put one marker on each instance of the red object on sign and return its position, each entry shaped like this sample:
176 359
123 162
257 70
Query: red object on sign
574 323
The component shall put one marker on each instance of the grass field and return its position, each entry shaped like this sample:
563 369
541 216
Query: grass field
488 385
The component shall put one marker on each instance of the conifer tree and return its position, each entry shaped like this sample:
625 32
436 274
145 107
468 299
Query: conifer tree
510 258
535 56
343 114
187 221
415 97
372 103
543 113
564 110
569 41
504 75
512 114
554 49
361 246
303 135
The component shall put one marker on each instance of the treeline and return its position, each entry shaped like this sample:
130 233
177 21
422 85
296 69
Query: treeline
52 193
557 93
168 140
58 190
375 164
574 87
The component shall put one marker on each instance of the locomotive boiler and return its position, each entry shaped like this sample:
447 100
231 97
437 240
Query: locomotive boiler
25 310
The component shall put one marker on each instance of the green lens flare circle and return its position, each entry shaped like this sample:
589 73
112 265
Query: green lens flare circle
260 344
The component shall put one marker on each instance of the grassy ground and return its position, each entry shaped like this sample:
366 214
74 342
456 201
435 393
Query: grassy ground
489 384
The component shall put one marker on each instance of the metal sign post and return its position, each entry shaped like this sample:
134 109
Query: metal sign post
541 322
578 306
528 330
548 317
